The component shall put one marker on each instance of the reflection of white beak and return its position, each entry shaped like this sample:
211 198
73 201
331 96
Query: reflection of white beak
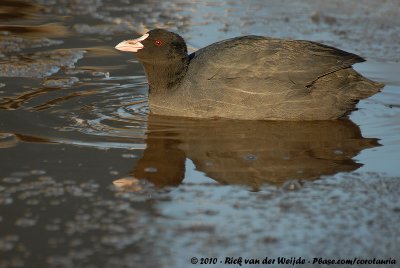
132 45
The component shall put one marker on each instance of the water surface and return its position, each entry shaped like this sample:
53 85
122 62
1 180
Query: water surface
76 137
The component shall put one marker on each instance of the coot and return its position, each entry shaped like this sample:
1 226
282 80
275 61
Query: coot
249 77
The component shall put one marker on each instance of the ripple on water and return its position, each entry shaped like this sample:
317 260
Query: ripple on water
102 113
120 125
116 114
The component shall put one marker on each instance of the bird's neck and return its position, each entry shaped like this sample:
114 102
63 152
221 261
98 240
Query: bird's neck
163 76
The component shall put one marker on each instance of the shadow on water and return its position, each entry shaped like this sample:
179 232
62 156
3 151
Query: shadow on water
249 153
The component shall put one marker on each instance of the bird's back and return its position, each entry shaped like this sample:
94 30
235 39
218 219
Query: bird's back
255 77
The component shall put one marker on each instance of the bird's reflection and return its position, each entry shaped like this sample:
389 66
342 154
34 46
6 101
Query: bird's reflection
250 153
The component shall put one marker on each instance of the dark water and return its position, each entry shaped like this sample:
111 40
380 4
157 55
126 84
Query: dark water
75 136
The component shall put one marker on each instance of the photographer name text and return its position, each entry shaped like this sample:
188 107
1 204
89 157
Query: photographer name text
240 261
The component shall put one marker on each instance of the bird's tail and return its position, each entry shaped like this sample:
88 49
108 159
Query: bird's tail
361 87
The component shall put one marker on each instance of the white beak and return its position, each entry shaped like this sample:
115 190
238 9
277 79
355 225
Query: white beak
132 45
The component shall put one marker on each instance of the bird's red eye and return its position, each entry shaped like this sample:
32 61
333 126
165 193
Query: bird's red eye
158 43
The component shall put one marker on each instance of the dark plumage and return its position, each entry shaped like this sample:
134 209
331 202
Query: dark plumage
249 77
